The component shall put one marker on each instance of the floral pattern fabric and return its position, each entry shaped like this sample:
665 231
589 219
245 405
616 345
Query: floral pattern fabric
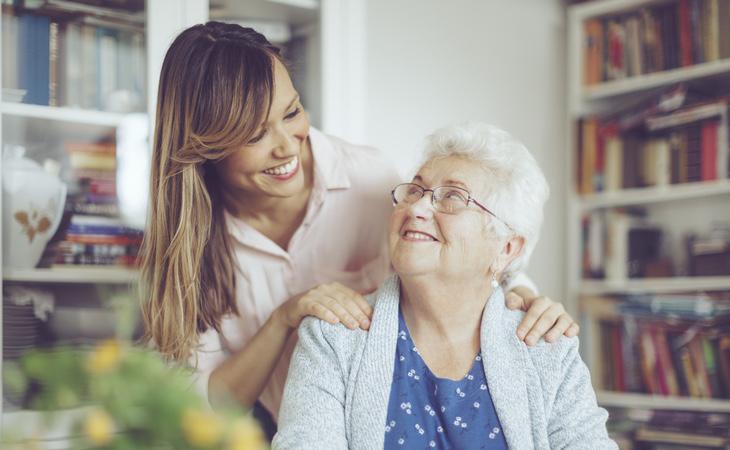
426 412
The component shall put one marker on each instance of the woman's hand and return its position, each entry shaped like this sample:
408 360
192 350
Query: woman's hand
544 317
331 302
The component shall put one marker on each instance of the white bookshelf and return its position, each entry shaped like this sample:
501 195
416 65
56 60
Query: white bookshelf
655 80
643 401
610 96
644 196
655 285
76 274
62 114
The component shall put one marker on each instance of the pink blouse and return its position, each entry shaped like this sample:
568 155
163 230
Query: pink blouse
342 238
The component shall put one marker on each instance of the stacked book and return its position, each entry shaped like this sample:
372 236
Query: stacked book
96 240
674 345
94 175
653 147
665 36
94 234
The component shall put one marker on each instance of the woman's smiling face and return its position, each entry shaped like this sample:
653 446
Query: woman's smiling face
271 163
423 241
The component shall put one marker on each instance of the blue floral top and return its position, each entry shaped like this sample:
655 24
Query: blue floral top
425 411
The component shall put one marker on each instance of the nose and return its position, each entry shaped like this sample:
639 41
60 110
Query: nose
285 144
422 208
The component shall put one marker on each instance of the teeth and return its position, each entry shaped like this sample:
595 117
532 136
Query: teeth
418 236
284 169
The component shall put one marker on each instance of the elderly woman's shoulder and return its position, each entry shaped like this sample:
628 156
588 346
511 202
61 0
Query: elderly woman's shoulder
543 351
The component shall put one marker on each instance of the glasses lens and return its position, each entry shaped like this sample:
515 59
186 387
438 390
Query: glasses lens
408 193
451 200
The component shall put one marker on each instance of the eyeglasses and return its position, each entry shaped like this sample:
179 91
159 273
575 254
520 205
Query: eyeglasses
445 199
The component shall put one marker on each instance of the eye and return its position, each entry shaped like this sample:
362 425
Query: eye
293 114
256 138
455 196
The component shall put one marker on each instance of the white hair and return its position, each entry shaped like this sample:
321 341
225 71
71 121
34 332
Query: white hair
519 188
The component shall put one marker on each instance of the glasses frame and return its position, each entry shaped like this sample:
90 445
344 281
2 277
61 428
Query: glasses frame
469 199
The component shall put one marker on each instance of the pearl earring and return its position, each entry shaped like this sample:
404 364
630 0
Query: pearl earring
495 283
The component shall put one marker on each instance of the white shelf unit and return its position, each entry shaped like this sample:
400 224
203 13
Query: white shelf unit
51 125
60 274
62 114
643 401
655 285
644 196
584 101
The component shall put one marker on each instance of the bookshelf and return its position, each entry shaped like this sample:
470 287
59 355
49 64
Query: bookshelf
81 274
611 90
82 108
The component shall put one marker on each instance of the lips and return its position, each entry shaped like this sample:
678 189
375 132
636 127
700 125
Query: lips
417 235
283 171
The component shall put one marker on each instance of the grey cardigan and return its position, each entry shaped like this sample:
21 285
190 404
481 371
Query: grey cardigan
336 396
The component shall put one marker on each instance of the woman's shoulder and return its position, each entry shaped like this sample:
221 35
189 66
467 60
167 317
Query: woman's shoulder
543 354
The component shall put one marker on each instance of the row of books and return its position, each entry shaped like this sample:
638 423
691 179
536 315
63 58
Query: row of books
636 429
687 144
71 61
657 38
684 351
622 243
618 244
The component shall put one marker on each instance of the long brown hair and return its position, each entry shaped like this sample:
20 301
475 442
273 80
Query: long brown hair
215 89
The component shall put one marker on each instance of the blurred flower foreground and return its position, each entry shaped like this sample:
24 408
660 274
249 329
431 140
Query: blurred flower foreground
130 399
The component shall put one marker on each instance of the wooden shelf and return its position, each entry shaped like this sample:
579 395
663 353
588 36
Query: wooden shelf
646 401
62 114
641 196
91 274
656 285
654 80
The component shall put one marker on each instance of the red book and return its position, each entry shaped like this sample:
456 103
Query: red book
661 369
685 34
709 150
618 359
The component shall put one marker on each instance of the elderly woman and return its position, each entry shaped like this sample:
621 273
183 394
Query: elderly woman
441 365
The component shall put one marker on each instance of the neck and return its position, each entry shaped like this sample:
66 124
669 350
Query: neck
246 206
447 311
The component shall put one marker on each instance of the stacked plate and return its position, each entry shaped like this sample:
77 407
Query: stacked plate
20 329
20 334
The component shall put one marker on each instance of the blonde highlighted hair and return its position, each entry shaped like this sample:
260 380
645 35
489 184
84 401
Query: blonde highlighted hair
215 89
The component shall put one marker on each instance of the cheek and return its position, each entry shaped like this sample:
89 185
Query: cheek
300 126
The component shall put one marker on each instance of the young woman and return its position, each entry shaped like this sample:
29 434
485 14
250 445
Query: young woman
258 220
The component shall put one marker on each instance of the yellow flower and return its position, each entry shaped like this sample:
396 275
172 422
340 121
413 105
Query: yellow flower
105 357
245 435
201 429
99 427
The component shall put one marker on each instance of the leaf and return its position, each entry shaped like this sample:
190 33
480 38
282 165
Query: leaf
43 225
22 218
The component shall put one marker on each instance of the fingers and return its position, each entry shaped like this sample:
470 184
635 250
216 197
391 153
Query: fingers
538 307
561 327
336 303
573 330
514 301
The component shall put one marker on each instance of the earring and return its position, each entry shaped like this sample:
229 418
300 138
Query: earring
495 283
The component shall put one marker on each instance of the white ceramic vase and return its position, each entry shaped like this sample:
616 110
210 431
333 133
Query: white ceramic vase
33 203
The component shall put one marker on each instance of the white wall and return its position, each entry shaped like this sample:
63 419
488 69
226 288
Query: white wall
435 62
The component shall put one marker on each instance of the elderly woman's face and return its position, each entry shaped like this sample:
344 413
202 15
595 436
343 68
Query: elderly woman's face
423 241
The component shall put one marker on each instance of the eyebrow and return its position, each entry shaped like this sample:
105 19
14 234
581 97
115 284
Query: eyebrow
294 100
449 182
